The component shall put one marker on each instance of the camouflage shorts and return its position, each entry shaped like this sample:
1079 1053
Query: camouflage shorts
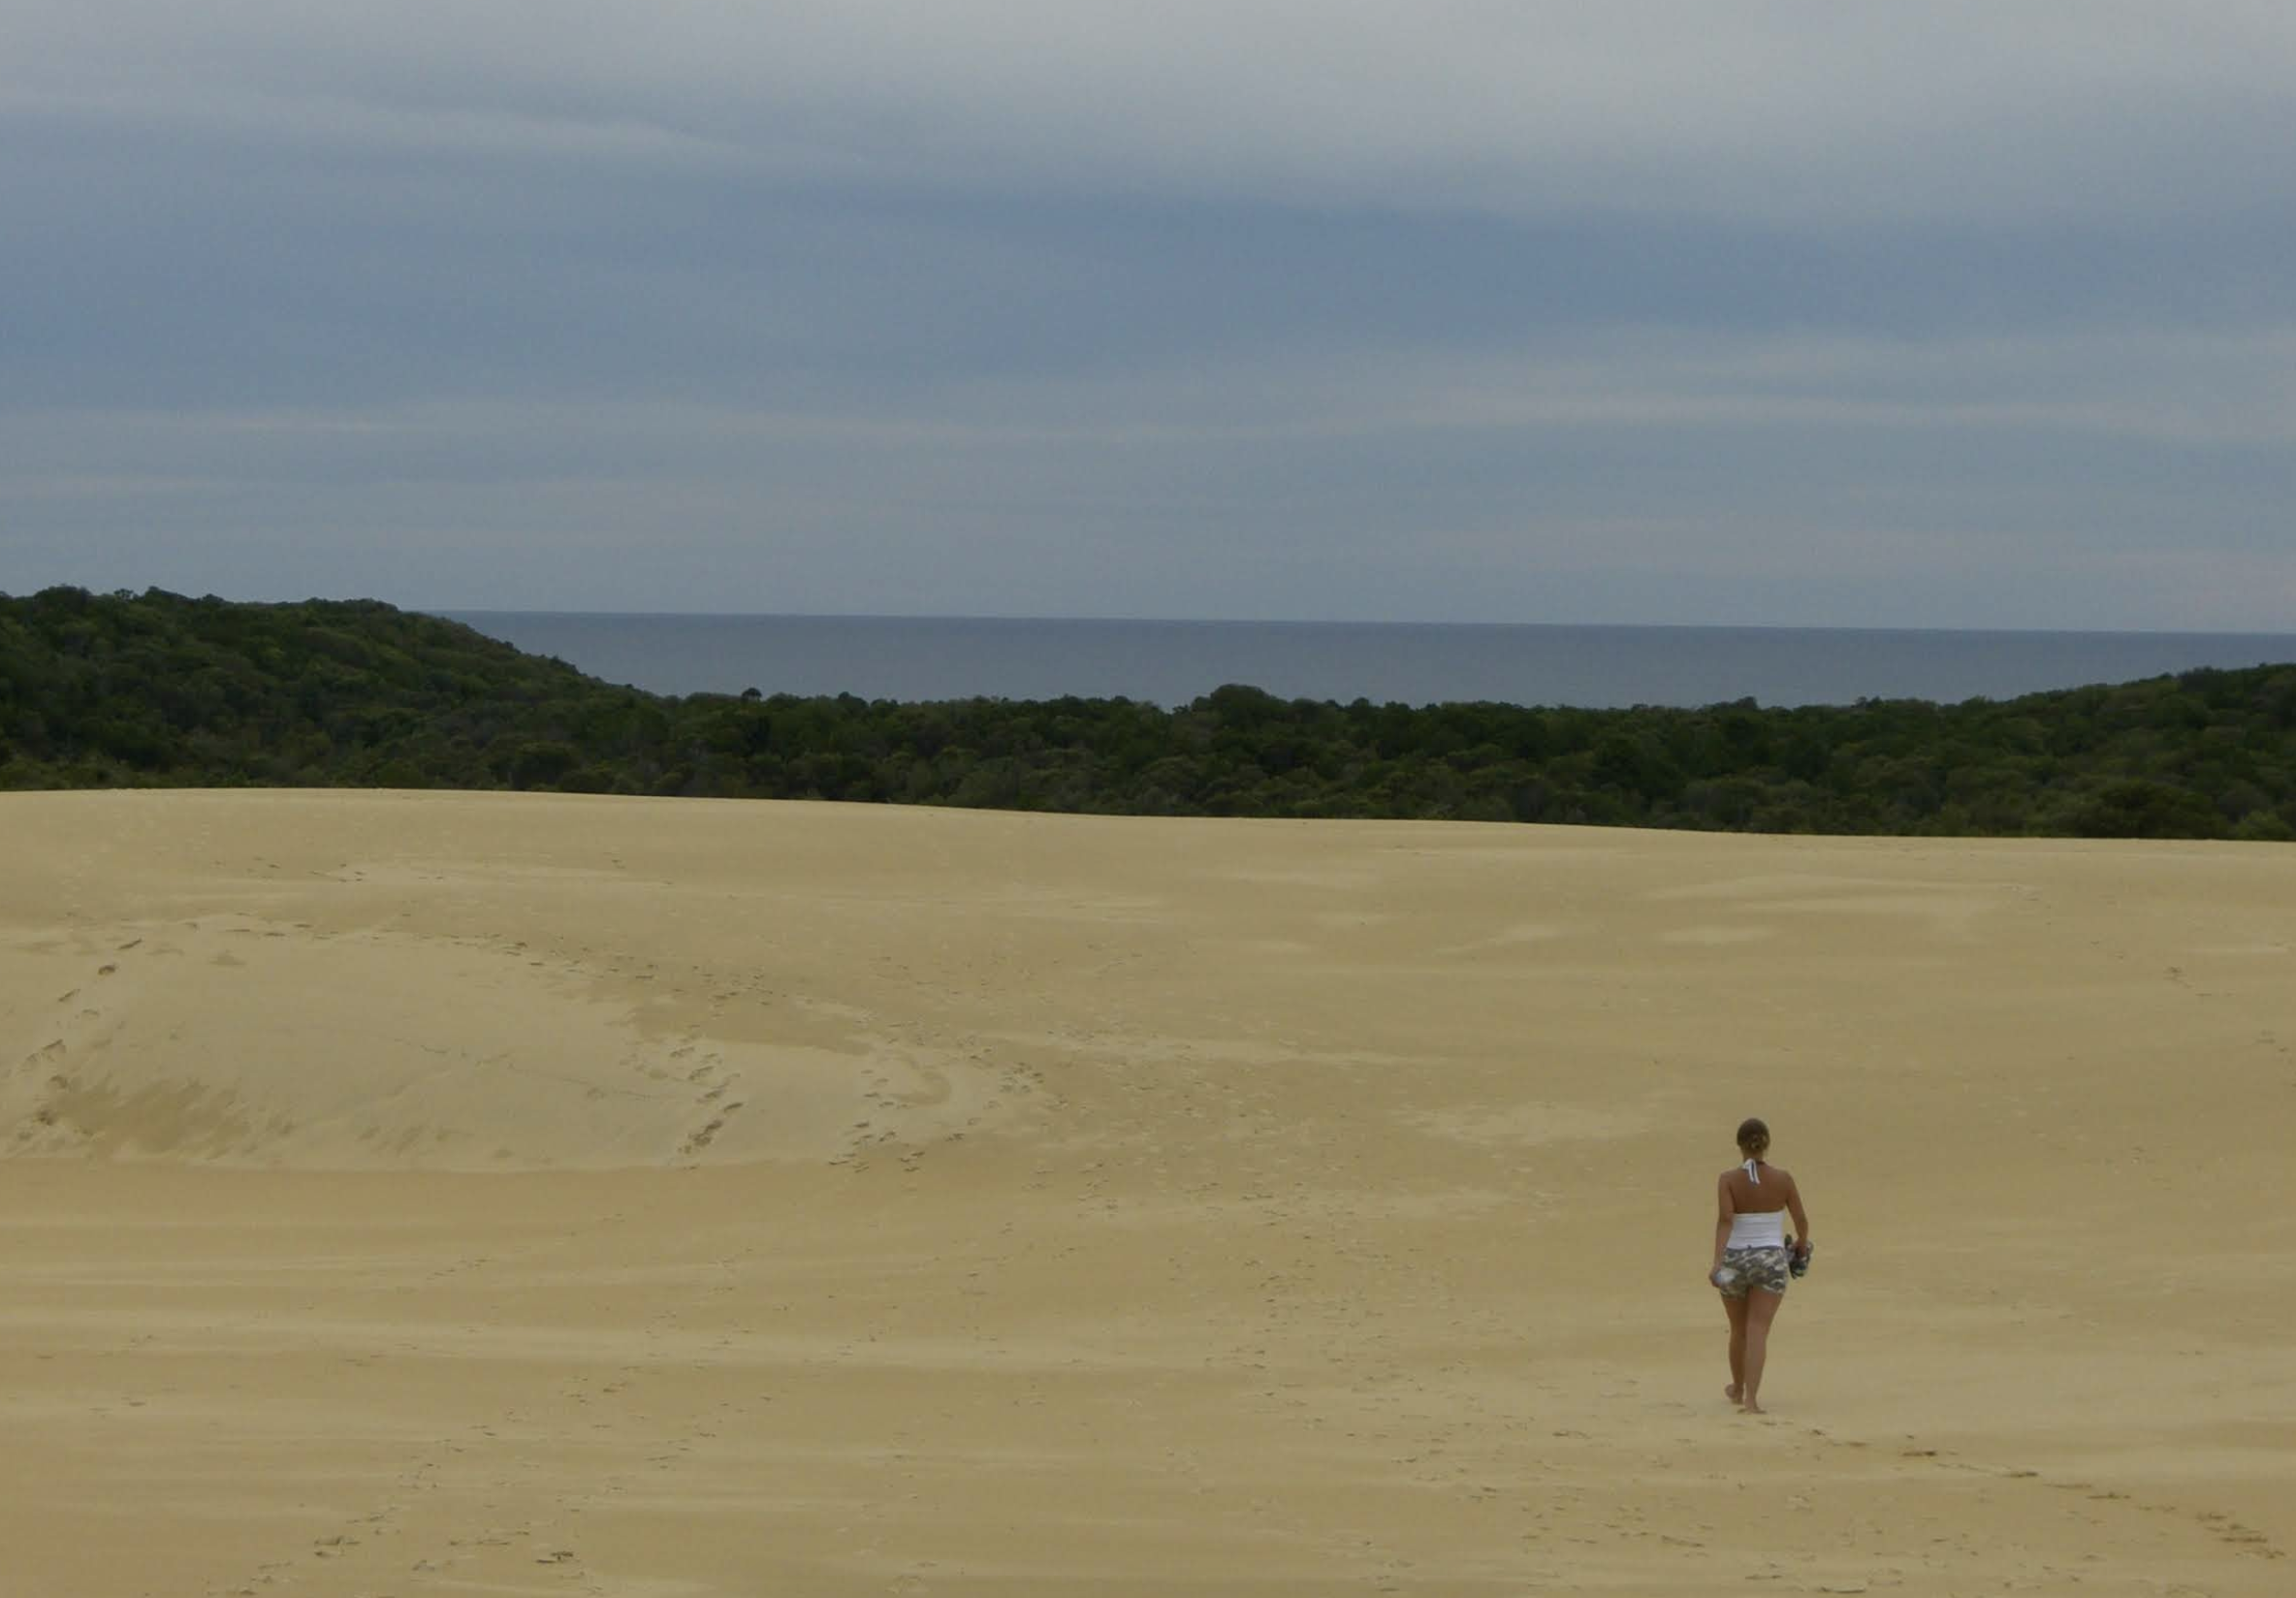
1756 1267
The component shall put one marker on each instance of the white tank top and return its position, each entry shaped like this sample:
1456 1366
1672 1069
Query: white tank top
1767 1231
1763 1231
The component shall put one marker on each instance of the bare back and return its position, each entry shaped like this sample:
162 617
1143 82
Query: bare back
1746 1197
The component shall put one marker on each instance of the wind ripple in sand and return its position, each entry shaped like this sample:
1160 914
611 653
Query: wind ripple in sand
224 1041
1531 1121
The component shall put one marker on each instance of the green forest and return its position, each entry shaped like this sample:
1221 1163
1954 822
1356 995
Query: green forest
158 689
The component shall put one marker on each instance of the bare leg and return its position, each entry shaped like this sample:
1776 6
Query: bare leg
1735 1309
1762 1308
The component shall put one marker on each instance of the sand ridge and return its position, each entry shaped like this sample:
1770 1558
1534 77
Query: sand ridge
420 1192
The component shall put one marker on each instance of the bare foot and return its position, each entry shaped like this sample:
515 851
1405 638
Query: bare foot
1747 1406
1730 1392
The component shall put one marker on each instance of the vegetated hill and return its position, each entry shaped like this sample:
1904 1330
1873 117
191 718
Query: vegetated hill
157 689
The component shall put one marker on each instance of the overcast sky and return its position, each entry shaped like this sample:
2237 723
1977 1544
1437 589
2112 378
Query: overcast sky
1911 313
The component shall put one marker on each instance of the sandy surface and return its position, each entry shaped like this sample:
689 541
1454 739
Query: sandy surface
521 1195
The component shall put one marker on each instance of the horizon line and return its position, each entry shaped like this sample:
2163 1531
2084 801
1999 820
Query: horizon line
1341 621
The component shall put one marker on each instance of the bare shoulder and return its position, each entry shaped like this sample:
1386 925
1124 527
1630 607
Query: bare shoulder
1779 1173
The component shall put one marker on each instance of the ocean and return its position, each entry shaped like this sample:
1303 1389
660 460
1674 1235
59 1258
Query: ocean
1173 662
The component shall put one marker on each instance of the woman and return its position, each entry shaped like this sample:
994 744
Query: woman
1751 1256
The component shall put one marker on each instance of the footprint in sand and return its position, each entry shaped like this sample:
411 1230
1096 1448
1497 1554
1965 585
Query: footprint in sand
707 1133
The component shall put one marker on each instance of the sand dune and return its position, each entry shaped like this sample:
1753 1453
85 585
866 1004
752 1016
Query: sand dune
521 1195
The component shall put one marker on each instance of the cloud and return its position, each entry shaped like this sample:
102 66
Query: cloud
1635 475
1853 314
2164 390
1791 110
